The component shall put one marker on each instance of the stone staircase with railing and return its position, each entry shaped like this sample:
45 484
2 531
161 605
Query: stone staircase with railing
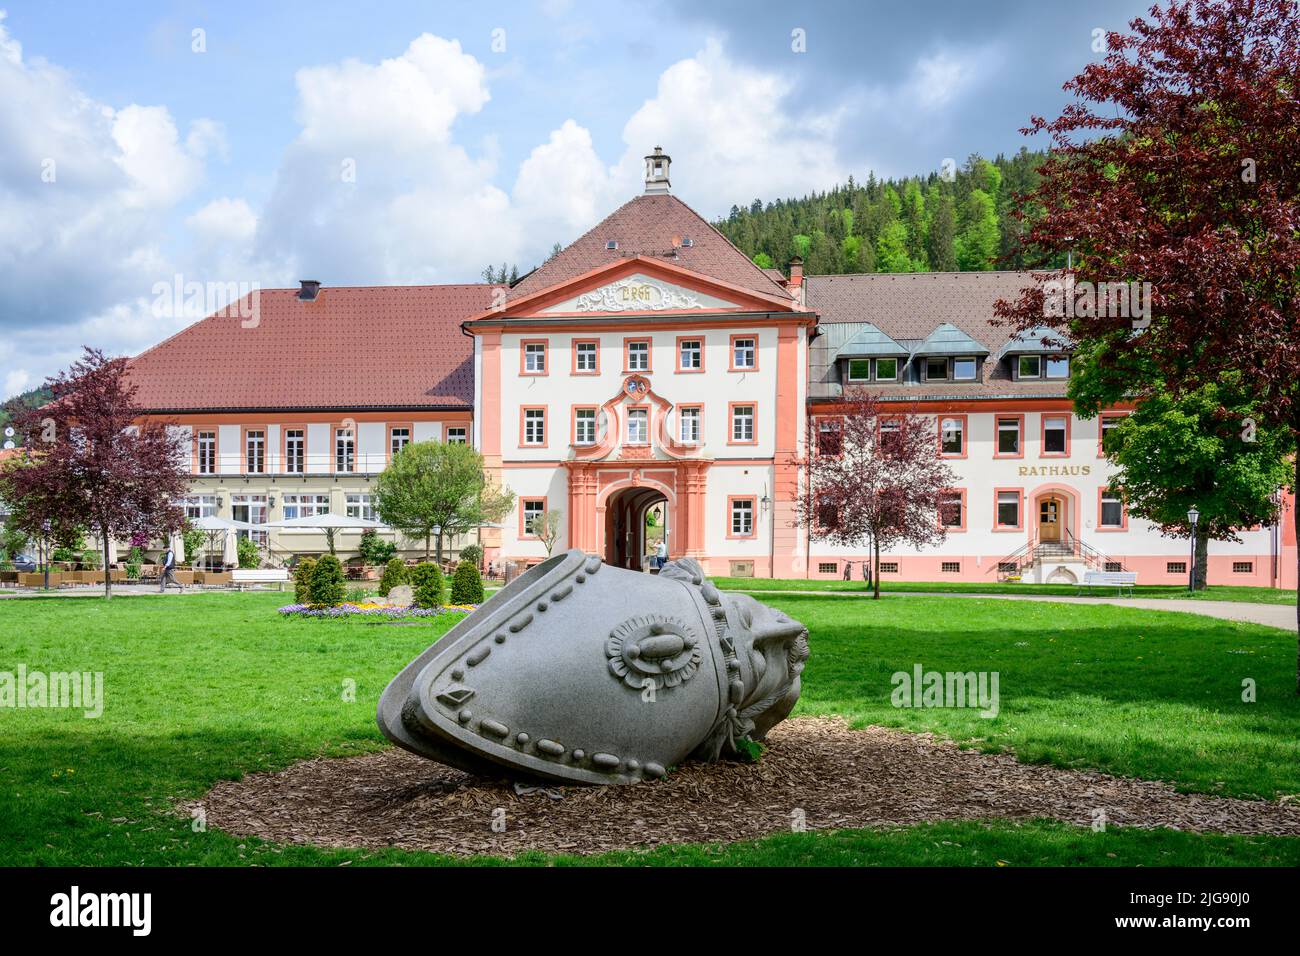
1064 561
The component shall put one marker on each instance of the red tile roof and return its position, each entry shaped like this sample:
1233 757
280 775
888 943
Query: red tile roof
653 225
356 347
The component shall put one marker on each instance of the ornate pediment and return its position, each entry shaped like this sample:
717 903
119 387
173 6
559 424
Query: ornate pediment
640 293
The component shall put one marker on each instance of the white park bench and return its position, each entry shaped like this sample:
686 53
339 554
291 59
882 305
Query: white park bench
1110 579
242 576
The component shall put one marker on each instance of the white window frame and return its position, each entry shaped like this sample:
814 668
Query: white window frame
693 349
535 358
638 355
584 421
640 434
295 451
691 417
742 424
742 509
534 426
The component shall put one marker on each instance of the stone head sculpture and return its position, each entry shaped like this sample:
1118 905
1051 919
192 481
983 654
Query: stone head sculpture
578 672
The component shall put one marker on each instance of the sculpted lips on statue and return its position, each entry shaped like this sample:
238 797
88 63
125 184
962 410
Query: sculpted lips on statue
578 672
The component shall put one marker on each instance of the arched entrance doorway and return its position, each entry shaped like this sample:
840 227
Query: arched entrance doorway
626 540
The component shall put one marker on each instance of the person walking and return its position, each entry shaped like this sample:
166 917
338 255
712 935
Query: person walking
661 554
168 572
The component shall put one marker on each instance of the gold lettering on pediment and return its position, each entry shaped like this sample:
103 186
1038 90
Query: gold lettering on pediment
636 293
1055 471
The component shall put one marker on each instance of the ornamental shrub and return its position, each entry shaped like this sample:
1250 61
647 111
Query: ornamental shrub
429 584
466 585
327 581
302 580
374 550
395 573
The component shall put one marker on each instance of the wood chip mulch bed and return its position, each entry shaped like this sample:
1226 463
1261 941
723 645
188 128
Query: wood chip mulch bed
839 778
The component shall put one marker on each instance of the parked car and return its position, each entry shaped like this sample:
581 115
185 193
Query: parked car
24 562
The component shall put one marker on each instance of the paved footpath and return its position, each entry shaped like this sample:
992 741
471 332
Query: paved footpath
1271 615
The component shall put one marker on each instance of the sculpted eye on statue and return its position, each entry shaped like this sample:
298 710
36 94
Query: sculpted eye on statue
578 672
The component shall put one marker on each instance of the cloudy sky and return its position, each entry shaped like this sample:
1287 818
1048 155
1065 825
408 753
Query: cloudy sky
149 146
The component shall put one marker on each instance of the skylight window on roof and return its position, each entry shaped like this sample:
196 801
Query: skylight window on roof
611 244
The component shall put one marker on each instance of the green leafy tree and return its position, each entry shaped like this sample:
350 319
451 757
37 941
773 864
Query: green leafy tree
428 584
249 554
472 553
327 585
891 249
435 490
194 539
466 584
978 238
302 580
1176 453
394 574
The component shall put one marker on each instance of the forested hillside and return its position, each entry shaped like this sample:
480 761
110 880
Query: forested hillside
33 398
918 224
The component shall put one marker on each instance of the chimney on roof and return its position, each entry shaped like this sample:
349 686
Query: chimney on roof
310 289
796 274
656 172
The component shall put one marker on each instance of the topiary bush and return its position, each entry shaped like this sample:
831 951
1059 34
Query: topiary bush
473 553
395 573
466 585
327 581
429 584
302 580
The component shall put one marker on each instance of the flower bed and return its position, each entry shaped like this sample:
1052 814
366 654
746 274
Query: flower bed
371 610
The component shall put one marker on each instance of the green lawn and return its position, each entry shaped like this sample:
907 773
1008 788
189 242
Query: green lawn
208 687
1222 592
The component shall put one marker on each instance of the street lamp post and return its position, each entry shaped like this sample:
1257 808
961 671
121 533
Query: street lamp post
1193 516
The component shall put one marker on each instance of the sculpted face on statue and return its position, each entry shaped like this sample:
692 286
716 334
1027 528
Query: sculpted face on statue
584 673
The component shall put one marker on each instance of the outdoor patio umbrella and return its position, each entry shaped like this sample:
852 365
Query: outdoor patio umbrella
226 527
329 522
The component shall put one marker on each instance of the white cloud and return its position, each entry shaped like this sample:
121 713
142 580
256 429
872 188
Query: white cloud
375 188
732 134
223 220
88 193
563 186
16 382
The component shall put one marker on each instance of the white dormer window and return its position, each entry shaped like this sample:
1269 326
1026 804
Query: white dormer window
936 369
1030 366
886 370
963 369
1058 366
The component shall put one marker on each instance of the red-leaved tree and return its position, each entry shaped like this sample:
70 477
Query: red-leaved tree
89 461
1176 166
873 477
